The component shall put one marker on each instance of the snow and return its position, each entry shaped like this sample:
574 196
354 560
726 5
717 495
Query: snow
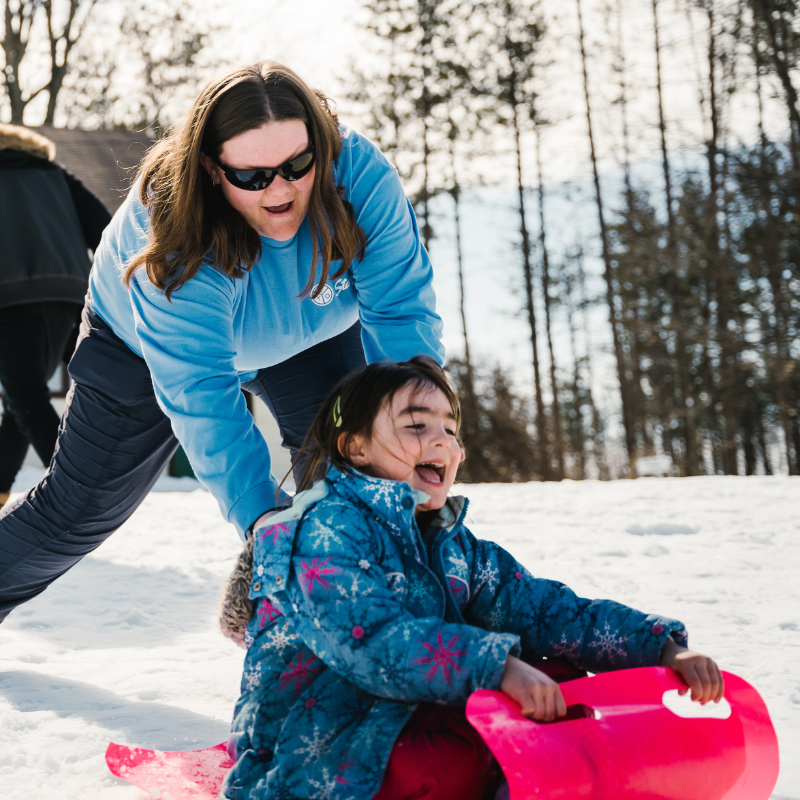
125 646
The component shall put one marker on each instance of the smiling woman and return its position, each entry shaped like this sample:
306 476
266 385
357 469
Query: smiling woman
263 247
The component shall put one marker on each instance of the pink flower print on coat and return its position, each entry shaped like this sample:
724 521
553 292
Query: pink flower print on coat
301 671
275 531
657 629
358 632
266 613
315 573
441 656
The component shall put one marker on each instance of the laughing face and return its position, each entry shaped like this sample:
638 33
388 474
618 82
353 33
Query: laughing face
413 440
277 211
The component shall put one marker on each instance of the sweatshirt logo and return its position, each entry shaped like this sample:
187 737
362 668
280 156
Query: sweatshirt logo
325 297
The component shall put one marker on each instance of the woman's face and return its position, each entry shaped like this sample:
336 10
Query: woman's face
277 211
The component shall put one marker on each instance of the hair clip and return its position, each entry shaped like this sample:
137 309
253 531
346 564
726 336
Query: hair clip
337 412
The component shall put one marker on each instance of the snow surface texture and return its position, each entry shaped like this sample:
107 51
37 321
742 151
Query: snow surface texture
125 646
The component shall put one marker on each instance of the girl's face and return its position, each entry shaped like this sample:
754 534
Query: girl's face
277 211
413 440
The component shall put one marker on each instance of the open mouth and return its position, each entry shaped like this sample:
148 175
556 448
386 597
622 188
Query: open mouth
431 472
281 209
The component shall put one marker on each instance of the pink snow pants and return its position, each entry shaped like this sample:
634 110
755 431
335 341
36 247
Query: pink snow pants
440 756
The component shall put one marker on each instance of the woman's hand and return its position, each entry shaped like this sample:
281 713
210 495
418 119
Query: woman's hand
700 672
539 696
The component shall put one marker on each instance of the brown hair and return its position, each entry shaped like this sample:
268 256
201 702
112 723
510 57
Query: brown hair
353 406
191 221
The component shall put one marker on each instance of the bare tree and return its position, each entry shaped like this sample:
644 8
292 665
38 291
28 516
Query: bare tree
616 325
19 19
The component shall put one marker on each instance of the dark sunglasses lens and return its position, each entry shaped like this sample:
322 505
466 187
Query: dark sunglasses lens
252 180
299 166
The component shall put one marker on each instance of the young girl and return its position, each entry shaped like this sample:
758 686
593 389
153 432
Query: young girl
370 614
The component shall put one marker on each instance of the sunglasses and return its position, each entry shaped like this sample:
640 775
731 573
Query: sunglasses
256 180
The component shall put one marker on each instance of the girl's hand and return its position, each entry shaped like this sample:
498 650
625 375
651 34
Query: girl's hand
539 696
700 672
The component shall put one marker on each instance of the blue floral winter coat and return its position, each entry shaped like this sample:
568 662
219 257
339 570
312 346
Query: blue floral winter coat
358 619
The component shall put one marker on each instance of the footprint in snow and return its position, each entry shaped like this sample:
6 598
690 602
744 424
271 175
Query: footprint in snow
661 529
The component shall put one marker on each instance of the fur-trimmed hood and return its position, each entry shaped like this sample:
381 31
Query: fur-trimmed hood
15 137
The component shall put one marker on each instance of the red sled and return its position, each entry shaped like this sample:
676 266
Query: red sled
620 741
178 775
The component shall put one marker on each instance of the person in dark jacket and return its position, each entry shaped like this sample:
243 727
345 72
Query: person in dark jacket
48 222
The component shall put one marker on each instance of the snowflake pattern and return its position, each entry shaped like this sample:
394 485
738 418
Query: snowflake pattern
489 576
441 656
274 531
315 573
396 582
279 638
324 537
326 787
389 625
608 644
301 670
316 746
497 618
355 592
569 650
252 678
266 613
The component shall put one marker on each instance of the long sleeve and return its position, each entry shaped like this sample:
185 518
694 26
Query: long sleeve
352 614
551 620
394 279
188 344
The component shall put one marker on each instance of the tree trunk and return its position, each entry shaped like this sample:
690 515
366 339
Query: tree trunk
622 376
558 433
470 401
720 272
541 427
686 404
773 269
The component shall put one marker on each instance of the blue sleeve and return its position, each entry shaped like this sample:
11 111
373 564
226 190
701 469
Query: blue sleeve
188 345
347 609
552 621
394 280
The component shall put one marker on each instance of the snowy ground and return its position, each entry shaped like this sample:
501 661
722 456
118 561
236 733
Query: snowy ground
125 646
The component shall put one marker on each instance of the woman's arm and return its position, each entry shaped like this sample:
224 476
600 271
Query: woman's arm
189 347
397 304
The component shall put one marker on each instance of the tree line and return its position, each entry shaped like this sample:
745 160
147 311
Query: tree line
699 267
700 274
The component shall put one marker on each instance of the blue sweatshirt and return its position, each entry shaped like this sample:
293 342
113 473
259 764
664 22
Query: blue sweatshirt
218 331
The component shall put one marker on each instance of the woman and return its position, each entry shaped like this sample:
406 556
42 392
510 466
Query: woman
262 247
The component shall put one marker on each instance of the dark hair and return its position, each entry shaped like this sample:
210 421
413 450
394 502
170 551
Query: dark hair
190 220
353 406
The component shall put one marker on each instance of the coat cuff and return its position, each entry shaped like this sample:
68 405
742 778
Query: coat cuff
496 647
660 630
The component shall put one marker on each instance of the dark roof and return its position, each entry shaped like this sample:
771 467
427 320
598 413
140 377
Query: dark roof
105 161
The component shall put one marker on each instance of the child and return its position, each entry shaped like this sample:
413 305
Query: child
370 614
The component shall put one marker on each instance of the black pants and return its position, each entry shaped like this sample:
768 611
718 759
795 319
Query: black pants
114 442
32 340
